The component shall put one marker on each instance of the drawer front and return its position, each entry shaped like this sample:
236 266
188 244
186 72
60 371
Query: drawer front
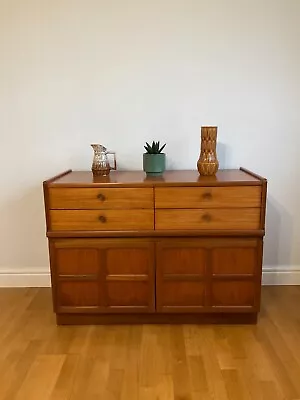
101 220
100 198
237 219
208 197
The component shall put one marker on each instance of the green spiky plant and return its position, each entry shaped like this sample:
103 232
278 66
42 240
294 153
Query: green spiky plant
154 148
154 160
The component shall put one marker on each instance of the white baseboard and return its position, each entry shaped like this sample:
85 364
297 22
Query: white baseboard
25 277
40 277
281 275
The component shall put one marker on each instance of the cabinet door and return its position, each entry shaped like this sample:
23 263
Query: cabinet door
76 267
236 275
180 276
208 275
102 275
129 276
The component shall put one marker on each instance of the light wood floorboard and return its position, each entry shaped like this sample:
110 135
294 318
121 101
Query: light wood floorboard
40 361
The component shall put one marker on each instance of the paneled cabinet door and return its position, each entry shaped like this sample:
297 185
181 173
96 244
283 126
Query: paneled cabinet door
236 273
180 276
129 275
103 275
76 270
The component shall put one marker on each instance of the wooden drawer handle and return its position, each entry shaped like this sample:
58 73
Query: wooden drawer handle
207 195
102 219
206 217
101 197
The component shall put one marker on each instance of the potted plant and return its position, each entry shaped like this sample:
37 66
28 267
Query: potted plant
154 161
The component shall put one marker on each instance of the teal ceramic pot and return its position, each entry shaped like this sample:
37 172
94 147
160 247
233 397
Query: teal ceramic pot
154 164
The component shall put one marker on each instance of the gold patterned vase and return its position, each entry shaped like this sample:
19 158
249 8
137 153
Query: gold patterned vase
208 163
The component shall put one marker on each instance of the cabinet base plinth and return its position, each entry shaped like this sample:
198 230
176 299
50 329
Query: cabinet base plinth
121 319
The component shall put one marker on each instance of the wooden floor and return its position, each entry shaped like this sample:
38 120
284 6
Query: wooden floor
40 361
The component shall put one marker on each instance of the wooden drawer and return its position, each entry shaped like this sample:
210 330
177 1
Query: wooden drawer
208 197
105 220
238 219
100 198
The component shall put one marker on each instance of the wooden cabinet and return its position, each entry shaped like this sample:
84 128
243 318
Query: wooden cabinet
182 248
95 275
182 268
208 275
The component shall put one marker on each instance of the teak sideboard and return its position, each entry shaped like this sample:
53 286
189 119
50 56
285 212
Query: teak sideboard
178 248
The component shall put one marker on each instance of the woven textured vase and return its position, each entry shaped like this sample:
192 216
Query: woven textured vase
208 163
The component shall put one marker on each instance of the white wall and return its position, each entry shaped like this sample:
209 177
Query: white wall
120 72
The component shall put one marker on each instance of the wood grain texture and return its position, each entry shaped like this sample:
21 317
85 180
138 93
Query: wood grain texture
79 294
208 197
149 248
263 204
77 261
169 178
231 261
100 198
101 220
120 275
125 293
207 282
111 275
233 294
218 218
180 295
168 362
179 257
152 234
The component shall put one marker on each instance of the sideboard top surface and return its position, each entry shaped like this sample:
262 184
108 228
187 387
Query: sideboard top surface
169 178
